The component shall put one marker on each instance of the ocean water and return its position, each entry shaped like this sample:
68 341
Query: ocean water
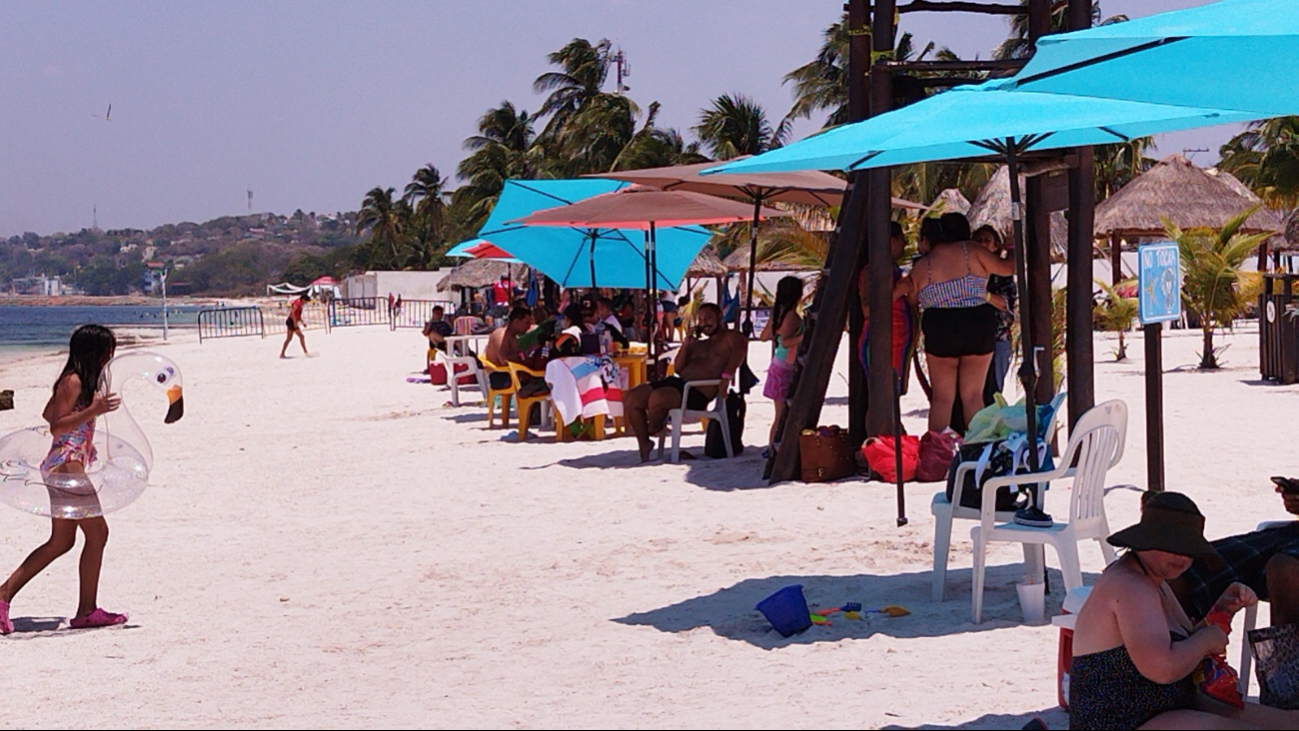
27 327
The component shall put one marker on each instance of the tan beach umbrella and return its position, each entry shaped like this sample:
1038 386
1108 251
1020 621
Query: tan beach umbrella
806 187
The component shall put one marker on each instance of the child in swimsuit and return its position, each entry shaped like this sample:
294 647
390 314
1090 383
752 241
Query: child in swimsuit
71 413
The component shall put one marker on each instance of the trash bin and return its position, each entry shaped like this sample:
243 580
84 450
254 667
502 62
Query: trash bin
1278 329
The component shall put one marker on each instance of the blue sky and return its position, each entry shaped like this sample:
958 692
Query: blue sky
311 104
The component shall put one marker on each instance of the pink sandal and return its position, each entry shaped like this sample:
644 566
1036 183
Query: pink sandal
97 618
6 627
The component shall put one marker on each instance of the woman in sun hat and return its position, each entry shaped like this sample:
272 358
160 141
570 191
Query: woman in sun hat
1135 649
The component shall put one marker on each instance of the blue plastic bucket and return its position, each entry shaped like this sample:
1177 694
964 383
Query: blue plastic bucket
787 610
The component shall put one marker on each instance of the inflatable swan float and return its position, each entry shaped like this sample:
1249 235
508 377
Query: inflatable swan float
119 471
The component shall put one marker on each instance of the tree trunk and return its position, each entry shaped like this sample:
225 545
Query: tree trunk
1208 359
1123 348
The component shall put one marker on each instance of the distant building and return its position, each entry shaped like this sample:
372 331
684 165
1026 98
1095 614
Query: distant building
39 286
153 277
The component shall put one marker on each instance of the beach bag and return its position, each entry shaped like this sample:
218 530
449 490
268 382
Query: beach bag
935 455
747 379
995 459
880 456
992 459
1276 659
825 454
714 445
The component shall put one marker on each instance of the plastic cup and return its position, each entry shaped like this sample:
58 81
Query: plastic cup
787 611
1032 602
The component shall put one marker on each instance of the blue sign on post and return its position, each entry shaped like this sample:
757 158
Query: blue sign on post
1159 298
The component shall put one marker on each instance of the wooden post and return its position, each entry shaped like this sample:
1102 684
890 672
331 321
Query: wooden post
880 381
859 48
1116 259
836 291
1079 352
1154 408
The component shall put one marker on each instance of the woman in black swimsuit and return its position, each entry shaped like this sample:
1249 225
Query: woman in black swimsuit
1135 649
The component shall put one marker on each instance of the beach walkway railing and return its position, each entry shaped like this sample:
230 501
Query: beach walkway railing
230 322
357 311
414 313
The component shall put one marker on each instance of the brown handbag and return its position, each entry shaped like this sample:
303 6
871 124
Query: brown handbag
825 454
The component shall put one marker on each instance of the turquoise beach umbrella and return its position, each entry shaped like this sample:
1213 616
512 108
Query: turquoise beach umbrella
972 121
586 257
1240 55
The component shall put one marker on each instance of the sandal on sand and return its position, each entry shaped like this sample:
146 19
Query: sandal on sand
6 627
97 618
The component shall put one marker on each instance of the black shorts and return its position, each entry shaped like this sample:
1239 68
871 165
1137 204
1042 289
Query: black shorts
291 324
951 332
1244 559
698 400
499 380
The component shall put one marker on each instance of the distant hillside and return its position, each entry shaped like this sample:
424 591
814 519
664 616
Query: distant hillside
227 255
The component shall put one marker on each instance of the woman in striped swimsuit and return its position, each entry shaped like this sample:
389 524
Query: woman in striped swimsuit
950 284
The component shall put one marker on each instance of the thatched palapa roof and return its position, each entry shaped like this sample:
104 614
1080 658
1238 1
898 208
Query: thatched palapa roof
1184 194
992 207
480 273
951 200
706 265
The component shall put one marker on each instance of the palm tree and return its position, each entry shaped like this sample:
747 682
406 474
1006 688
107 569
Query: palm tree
505 147
735 125
1017 45
382 217
1266 158
1214 290
424 214
583 69
1116 313
1117 164
822 83
655 147
595 136
427 192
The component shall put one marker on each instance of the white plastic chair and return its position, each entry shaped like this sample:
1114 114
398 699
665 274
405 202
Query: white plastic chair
945 511
1095 446
453 379
679 417
1251 622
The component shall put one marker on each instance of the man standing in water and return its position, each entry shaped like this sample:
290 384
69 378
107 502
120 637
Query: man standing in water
294 324
710 351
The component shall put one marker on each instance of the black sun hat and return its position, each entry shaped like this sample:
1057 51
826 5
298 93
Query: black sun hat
1170 521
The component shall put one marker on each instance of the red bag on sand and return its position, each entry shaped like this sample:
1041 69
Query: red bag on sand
437 374
936 450
879 454
468 380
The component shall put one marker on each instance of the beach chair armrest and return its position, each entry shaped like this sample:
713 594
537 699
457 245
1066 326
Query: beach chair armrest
705 383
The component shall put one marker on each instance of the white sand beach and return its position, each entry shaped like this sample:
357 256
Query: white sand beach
326 544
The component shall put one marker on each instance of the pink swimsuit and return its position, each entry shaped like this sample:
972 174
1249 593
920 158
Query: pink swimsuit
73 446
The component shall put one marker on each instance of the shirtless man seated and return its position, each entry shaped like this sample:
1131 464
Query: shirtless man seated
717 357
503 347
